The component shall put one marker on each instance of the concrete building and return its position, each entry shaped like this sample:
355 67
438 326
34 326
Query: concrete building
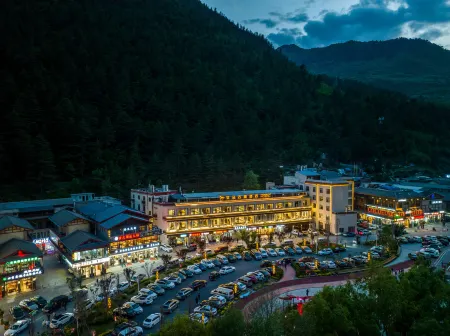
143 199
216 214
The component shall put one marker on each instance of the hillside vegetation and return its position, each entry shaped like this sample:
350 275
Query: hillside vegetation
415 67
107 95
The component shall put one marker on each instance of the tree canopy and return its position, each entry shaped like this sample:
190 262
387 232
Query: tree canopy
103 96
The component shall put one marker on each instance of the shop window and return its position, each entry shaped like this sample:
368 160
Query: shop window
321 207
328 208
321 190
215 222
250 220
143 228
279 205
239 208
195 211
250 207
328 191
288 205
321 198
171 212
194 224
328 200
217 210
183 225
173 226
269 206
260 206
203 223
227 222
182 212
226 209
239 220
206 211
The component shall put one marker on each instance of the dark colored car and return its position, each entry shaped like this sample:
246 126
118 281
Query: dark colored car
266 273
443 241
271 245
256 255
252 277
39 300
349 234
123 312
231 258
221 249
123 326
247 256
306 259
159 268
216 262
192 247
157 289
18 313
302 266
412 256
265 263
338 249
214 275
201 266
56 303
187 273
342 264
170 305
197 284
183 293
289 250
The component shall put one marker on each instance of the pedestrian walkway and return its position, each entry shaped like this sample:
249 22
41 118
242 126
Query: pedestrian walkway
289 273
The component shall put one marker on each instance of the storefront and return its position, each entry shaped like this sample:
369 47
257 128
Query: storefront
44 245
20 266
89 268
126 255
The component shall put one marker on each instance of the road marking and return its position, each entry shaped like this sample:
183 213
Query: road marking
440 257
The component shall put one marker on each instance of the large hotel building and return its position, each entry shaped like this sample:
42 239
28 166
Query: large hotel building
216 214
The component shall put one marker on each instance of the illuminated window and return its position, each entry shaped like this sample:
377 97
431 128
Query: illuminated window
269 206
227 222
305 203
250 207
321 190
206 211
173 226
260 206
239 220
278 217
279 205
182 212
226 209
321 198
314 205
183 225
328 208
239 208
217 210
215 222
203 223
328 200
195 211
171 212
194 224
288 205
250 220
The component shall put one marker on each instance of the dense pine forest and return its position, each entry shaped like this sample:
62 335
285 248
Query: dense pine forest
415 67
104 95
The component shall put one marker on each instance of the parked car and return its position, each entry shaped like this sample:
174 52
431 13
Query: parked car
413 255
306 249
152 320
237 255
198 317
61 320
166 248
339 249
433 252
349 234
55 303
214 275
280 252
231 258
222 259
343 264
207 310
29 305
247 256
18 327
246 293
194 269
187 273
217 301
170 305
329 264
40 301
265 263
207 263
221 249
122 286
137 277
192 247
271 252
298 250
17 312
241 286
86 304
142 299
165 284
227 269
216 262
201 266
325 251
263 253
172 278
289 250
156 289
158 268
197 284
184 293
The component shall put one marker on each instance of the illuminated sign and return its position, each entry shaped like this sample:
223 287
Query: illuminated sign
402 200
40 241
416 213
91 262
197 234
130 229
240 227
137 248
23 260
240 197
128 236
381 212
23 274
436 202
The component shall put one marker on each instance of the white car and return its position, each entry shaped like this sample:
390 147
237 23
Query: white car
87 304
29 305
434 253
207 310
18 327
241 286
200 318
207 263
329 264
148 292
142 299
325 251
166 248
174 279
165 284
307 249
122 286
271 252
258 275
280 252
237 255
227 269
220 298
61 320
263 253
194 269
131 331
152 320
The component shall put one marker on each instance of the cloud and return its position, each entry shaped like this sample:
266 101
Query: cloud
432 34
281 38
296 18
269 23
375 20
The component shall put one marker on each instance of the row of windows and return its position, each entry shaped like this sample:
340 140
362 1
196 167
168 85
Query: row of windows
242 220
327 199
235 208
327 217
321 207
321 190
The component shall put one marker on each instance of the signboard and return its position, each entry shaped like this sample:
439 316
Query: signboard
240 227
41 241
127 236
381 212
137 248
22 274
240 197
91 262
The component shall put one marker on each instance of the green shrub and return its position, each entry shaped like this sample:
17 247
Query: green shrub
278 273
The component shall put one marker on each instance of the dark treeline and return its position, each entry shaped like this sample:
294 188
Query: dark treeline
105 95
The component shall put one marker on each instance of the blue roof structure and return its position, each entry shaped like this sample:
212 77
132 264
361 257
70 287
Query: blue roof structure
9 249
37 205
63 217
217 195
100 211
116 220
9 221
308 172
81 240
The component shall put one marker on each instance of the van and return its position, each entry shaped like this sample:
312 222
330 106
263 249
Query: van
288 242
225 292
246 281
55 303
222 259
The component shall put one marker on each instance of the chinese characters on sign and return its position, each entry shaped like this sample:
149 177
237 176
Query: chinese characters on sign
381 212
240 197
129 236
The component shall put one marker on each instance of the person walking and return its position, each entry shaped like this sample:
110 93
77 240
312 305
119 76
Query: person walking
307 292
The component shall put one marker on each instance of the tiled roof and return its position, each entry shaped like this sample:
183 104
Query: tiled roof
81 240
100 211
397 194
63 217
216 195
9 221
9 249
308 173
28 206
116 220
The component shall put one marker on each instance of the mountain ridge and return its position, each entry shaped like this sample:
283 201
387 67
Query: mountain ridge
415 67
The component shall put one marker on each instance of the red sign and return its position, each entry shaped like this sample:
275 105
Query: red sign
300 308
129 236
381 212
197 234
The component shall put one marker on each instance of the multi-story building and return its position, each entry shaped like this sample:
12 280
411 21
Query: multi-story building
20 265
215 214
143 199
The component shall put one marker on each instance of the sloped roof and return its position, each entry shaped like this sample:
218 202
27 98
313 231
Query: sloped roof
116 220
9 221
9 250
63 217
82 240
100 211
396 194
28 206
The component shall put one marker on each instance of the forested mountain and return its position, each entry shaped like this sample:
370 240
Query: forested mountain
415 67
104 95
